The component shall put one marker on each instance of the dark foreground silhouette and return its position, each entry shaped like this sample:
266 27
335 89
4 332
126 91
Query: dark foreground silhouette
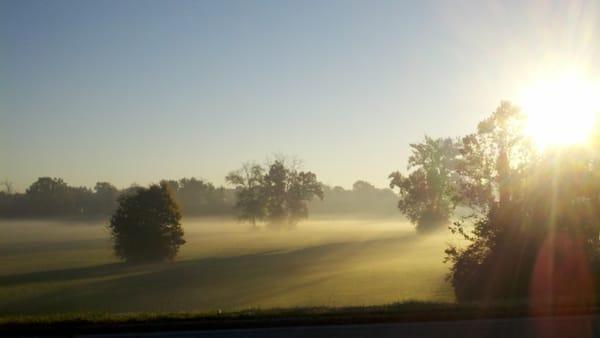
397 320
571 326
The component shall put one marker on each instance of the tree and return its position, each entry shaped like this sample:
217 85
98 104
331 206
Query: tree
49 196
278 194
362 200
492 166
288 192
11 203
534 221
363 187
146 225
6 187
173 185
105 197
198 196
249 186
494 160
426 194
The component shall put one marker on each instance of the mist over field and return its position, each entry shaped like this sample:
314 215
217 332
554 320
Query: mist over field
205 157
57 266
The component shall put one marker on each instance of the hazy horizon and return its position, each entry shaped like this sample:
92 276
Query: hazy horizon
475 123
140 91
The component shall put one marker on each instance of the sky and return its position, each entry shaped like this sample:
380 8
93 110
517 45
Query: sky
137 91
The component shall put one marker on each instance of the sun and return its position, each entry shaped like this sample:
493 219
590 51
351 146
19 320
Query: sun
561 110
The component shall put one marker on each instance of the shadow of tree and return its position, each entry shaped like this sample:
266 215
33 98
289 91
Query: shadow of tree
32 247
208 283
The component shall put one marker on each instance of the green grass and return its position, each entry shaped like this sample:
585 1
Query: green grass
58 270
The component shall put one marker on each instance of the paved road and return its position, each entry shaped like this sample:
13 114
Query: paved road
559 327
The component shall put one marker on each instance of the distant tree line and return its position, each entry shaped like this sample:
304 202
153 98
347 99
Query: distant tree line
197 197
363 199
53 198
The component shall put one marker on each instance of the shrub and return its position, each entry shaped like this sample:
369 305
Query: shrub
146 226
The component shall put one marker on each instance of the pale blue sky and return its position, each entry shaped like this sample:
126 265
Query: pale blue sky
136 91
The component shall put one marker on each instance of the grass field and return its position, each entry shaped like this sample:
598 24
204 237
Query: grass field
61 267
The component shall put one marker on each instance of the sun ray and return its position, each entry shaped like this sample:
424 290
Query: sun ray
561 110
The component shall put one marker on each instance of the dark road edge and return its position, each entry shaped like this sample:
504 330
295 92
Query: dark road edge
396 313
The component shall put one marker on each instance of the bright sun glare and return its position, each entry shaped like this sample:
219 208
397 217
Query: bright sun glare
561 110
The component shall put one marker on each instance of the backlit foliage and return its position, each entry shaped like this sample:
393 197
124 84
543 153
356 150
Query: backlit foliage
426 193
535 217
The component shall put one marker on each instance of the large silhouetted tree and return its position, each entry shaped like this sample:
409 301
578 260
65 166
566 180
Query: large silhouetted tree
146 226
534 230
426 194
493 164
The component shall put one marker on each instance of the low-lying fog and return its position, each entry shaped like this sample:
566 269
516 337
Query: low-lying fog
51 266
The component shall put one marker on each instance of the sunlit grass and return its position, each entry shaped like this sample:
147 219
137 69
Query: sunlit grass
224 266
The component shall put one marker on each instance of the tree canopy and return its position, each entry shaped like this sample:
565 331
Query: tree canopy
196 197
426 194
530 211
278 194
250 192
146 225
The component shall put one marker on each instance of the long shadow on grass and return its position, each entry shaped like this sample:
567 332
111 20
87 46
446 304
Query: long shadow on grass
25 248
210 283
